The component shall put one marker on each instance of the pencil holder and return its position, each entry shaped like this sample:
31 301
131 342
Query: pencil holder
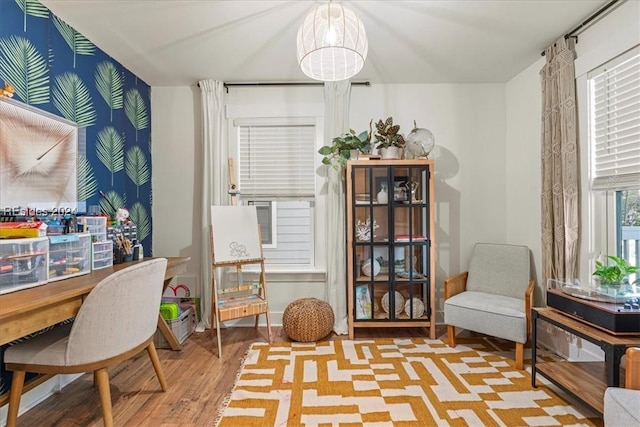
117 256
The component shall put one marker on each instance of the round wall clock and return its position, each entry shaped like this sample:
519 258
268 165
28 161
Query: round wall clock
38 158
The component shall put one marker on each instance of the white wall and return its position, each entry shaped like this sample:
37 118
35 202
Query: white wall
523 165
468 122
610 36
176 132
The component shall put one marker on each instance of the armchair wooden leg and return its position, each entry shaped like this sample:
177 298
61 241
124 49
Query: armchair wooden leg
519 355
102 377
451 335
155 360
17 384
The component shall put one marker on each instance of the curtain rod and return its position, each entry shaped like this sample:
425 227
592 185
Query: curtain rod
588 21
228 85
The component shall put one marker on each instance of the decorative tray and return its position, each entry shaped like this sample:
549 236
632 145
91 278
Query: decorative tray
592 292
407 275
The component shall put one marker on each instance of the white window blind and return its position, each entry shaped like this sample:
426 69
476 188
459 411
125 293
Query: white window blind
615 123
277 161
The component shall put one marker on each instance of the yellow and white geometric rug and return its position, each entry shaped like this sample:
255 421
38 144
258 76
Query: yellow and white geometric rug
391 382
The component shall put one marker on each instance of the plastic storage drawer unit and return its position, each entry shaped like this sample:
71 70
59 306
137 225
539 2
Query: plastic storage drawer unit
102 255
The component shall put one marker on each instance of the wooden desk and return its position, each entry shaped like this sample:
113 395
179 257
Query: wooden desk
30 310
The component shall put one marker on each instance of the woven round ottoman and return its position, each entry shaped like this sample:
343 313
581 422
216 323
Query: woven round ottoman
307 319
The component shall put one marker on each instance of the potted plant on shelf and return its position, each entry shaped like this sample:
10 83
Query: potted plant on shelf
615 274
345 147
388 140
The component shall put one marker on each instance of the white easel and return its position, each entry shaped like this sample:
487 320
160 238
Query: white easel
235 242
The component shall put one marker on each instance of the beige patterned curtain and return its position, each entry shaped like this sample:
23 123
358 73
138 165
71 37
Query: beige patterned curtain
560 179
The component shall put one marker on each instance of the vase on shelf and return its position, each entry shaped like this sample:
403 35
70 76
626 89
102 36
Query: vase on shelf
391 153
383 195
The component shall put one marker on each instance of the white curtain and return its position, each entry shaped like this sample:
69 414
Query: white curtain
336 99
212 179
560 179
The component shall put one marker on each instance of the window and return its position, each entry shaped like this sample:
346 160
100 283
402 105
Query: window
267 219
276 173
614 135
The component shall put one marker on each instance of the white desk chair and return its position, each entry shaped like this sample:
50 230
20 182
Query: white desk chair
116 321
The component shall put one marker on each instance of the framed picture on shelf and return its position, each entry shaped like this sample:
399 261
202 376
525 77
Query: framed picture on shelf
363 302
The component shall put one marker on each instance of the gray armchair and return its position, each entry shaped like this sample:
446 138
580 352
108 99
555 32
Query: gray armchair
493 297
622 405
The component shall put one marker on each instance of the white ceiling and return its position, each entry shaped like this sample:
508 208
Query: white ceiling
178 42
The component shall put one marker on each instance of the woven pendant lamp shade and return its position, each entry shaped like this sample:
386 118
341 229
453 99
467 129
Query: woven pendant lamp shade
332 43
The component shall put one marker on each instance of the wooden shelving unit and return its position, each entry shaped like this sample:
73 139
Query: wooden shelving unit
586 381
390 244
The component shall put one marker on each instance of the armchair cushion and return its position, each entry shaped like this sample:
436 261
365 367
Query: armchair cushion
496 315
621 407
499 269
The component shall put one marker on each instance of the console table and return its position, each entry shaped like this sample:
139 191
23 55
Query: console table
586 381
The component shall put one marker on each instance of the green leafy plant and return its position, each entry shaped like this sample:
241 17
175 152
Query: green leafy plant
339 151
387 134
615 274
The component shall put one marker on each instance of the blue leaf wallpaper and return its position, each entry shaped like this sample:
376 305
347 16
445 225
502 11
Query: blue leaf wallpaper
55 68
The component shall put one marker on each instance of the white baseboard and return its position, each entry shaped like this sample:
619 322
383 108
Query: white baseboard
39 394
566 345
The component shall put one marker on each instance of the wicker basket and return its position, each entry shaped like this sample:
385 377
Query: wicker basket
307 320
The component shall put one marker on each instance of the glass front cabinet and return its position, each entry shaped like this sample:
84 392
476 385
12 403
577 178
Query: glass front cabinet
390 244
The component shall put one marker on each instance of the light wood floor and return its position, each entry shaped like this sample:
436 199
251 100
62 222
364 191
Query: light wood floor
198 382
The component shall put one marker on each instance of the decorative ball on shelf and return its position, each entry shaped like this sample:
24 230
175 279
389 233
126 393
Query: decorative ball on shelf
420 142
371 267
418 308
398 302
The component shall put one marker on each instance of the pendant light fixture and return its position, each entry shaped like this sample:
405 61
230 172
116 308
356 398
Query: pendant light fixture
332 43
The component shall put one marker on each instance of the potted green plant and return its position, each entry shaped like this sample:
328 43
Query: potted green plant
615 274
344 147
388 140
